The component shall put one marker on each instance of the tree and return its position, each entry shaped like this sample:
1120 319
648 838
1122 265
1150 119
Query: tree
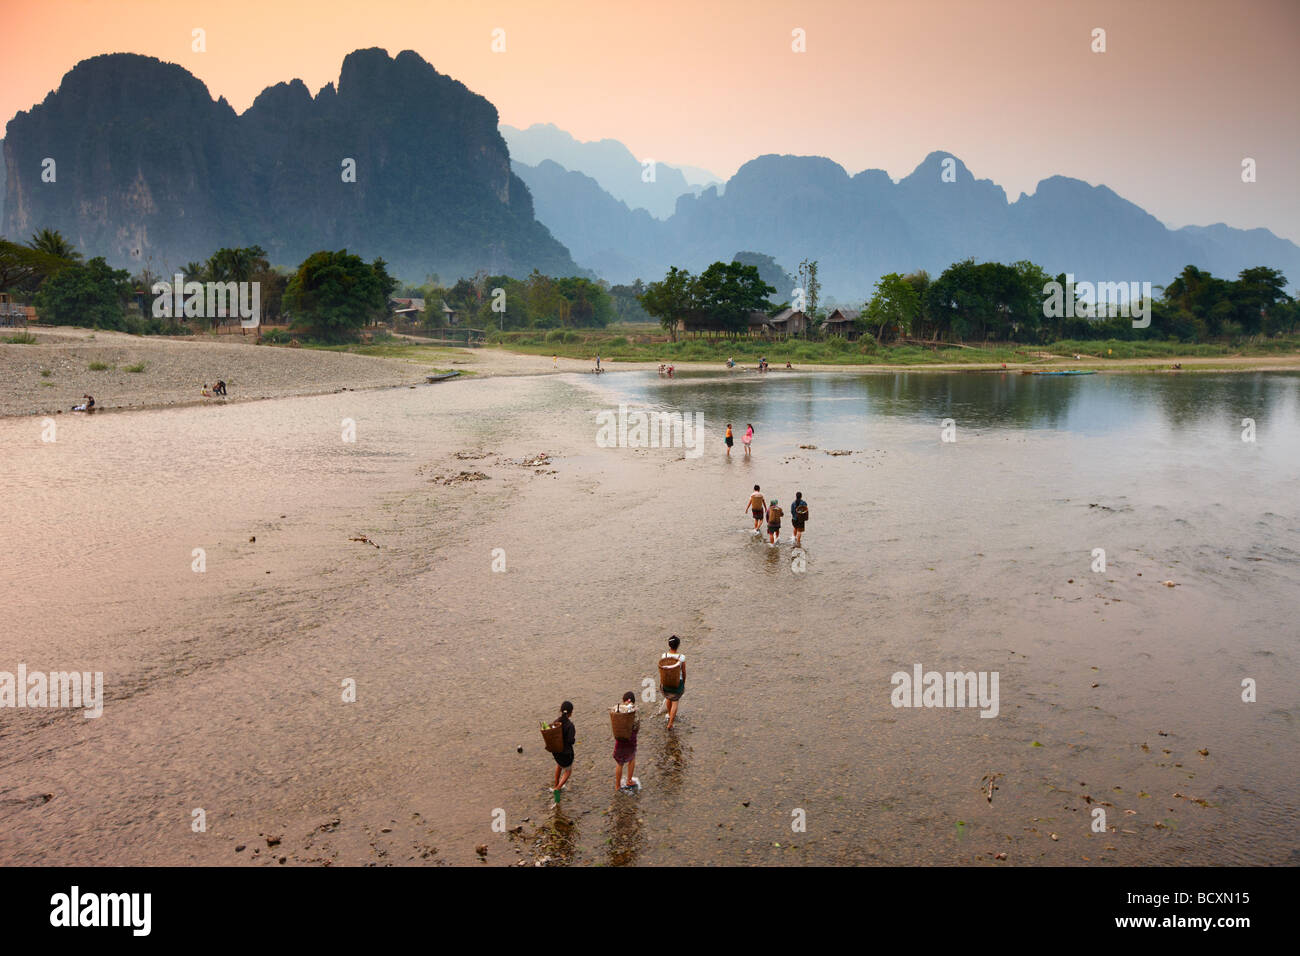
770 272
670 299
23 269
335 293
725 295
895 306
812 288
88 295
1257 293
51 241
236 265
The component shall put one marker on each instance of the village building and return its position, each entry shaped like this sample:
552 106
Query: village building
843 322
788 323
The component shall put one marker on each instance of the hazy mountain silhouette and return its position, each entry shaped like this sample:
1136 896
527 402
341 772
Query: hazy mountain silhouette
861 227
149 167
609 163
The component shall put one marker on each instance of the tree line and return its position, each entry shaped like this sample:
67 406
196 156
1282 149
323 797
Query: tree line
988 301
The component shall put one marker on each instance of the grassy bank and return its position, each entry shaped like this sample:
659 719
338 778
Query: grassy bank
430 355
648 344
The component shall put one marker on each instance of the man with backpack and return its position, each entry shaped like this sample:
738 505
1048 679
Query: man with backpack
798 515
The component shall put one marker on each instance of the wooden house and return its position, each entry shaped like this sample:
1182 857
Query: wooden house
788 322
843 322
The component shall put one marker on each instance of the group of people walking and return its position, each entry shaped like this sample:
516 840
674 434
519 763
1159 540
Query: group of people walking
771 512
672 685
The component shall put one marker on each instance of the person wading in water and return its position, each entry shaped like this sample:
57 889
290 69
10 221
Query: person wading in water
798 516
674 693
774 515
756 505
564 758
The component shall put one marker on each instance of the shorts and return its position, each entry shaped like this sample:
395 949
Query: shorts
564 759
730 441
798 525
674 693
774 528
758 514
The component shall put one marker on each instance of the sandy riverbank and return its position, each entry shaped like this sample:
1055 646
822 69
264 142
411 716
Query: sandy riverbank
51 375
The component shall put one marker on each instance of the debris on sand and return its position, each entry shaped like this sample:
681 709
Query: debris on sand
839 451
470 455
540 460
363 539
809 447
460 478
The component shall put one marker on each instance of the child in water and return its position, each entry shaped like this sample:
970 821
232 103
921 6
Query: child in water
749 437
625 750
729 440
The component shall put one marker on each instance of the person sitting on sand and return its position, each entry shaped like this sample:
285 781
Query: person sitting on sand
87 405
787 364
219 388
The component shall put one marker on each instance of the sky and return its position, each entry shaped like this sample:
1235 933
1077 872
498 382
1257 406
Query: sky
1184 92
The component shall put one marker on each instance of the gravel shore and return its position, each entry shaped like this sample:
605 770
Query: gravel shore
52 374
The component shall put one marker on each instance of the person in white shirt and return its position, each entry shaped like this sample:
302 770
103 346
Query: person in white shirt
673 694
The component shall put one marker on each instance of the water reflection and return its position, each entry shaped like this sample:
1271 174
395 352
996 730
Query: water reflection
670 764
558 839
797 403
626 830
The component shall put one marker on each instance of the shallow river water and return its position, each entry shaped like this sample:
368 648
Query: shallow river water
203 560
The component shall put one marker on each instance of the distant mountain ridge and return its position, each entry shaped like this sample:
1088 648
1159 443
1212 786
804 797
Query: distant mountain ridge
864 226
151 170
611 164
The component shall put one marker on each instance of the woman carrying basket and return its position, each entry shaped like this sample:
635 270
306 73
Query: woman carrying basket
672 677
564 758
625 747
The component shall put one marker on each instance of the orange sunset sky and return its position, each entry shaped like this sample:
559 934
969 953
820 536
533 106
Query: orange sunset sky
1185 90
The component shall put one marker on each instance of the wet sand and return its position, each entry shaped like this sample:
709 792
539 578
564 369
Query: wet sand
226 688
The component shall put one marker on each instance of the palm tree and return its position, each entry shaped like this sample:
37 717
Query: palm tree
51 241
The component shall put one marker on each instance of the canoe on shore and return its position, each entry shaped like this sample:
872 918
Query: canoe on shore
1070 371
441 377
